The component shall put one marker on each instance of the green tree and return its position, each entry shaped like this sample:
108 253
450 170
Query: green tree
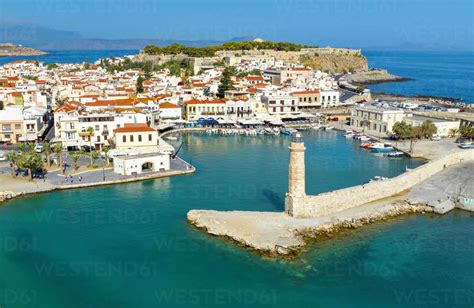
402 130
466 131
30 161
12 157
225 83
106 150
428 129
94 155
139 86
51 66
75 159
90 132
58 149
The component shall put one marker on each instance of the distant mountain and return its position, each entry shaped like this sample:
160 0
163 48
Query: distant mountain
52 39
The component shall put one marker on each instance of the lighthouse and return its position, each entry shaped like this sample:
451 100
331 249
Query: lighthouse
296 176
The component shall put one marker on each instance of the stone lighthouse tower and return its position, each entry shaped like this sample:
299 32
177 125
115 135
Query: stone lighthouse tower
294 199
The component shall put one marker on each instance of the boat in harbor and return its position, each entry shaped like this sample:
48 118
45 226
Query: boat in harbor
380 147
288 131
366 145
349 134
396 154
316 126
329 127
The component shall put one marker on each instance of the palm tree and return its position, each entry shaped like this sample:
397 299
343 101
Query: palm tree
90 131
12 157
30 161
47 151
106 150
74 158
94 155
58 149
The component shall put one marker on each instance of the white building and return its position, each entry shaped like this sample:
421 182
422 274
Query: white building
141 163
280 103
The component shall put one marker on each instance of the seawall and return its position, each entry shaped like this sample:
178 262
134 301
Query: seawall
347 198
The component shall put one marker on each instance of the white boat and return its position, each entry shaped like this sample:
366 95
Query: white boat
395 154
316 126
363 138
329 127
349 134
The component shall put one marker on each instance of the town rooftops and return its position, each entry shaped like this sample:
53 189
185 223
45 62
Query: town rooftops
134 128
168 105
305 92
197 101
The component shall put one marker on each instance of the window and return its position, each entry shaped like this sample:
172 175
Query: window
70 136
131 138
7 127
140 138
149 137
18 126
98 138
124 138
97 127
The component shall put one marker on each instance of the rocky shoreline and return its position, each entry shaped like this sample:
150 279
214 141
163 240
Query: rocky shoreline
11 50
374 77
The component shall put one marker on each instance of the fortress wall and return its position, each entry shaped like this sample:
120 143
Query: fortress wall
343 199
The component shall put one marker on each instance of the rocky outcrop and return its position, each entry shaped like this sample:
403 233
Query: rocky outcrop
374 76
331 60
11 50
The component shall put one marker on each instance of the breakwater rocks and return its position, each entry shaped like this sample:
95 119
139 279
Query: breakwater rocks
280 235
5 195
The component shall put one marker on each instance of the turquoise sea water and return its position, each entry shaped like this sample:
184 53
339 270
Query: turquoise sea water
445 74
131 246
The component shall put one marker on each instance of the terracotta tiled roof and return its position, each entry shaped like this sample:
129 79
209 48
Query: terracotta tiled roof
134 128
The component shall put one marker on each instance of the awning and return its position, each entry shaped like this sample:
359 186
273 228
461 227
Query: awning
222 121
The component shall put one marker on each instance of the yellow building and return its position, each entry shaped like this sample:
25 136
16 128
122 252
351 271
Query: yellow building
196 109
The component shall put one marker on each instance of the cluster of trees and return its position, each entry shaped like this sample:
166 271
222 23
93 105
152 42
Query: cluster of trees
465 131
403 130
176 67
210 51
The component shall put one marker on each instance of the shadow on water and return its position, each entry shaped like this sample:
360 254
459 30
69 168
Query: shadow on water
275 199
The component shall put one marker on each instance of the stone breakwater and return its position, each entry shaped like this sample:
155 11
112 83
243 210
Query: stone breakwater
6 195
280 235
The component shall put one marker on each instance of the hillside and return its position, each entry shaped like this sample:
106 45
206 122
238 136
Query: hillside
11 50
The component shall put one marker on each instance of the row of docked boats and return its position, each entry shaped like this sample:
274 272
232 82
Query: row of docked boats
376 147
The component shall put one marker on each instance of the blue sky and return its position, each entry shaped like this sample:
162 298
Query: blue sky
357 23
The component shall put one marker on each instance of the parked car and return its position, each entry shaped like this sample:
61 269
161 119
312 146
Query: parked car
435 138
39 148
467 145
3 156
461 140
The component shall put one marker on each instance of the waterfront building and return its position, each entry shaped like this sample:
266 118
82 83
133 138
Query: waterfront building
443 126
376 120
280 103
21 124
196 109
170 111
135 135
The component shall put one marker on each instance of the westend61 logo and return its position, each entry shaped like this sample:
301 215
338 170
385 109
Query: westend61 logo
216 297
425 296
17 297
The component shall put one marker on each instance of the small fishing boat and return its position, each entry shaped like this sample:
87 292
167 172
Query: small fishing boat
380 147
366 145
329 127
316 126
288 131
349 134
363 138
378 178
395 154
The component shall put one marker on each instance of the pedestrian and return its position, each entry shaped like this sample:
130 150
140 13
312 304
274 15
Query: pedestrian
80 178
